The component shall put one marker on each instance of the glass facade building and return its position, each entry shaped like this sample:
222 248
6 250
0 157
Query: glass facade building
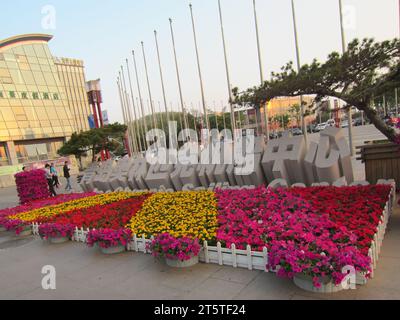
42 99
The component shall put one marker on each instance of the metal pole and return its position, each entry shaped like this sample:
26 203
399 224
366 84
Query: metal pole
261 70
216 116
128 112
136 122
124 115
233 126
161 118
144 123
199 70
148 87
177 74
303 122
130 140
349 115
223 113
161 77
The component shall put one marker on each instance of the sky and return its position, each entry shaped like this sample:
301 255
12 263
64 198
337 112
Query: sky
103 33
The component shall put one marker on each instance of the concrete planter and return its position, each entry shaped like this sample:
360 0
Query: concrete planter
56 240
305 282
113 250
183 264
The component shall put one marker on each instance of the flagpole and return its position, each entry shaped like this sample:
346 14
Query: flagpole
261 70
161 77
148 87
177 74
199 70
233 126
303 122
349 115
144 123
123 114
136 123
123 97
128 112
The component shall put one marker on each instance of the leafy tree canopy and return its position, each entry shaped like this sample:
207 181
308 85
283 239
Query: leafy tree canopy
366 70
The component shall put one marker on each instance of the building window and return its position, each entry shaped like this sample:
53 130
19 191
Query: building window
1 94
12 94
35 95
46 96
55 96
24 95
3 155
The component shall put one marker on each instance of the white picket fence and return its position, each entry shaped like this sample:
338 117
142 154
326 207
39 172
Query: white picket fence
249 259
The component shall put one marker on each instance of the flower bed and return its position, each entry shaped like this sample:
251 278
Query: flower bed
47 212
36 204
311 231
56 230
109 216
169 247
181 214
32 185
107 238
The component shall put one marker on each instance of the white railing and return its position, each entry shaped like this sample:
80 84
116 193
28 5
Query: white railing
249 259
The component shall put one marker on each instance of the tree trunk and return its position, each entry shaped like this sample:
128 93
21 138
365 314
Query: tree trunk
378 123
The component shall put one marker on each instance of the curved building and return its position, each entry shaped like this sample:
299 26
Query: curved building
42 100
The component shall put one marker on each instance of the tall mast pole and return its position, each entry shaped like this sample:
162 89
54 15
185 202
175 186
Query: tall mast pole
261 70
148 87
144 123
177 75
233 126
207 124
303 122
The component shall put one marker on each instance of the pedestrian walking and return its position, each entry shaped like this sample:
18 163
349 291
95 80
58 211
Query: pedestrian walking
50 180
54 173
67 176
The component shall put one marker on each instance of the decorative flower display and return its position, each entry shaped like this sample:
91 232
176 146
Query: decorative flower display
14 225
31 185
36 204
106 238
109 216
38 215
314 231
56 230
167 246
181 214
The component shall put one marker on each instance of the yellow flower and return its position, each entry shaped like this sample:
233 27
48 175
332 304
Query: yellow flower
82 203
184 213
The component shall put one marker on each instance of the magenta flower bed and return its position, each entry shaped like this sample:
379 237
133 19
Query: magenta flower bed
16 226
301 236
56 230
44 203
167 246
31 185
106 238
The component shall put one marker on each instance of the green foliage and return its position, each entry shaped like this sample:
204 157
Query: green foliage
367 69
93 140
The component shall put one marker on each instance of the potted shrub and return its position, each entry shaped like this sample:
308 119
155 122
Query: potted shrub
56 233
21 228
109 241
178 252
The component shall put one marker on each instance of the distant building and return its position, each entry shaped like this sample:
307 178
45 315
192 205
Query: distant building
42 99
